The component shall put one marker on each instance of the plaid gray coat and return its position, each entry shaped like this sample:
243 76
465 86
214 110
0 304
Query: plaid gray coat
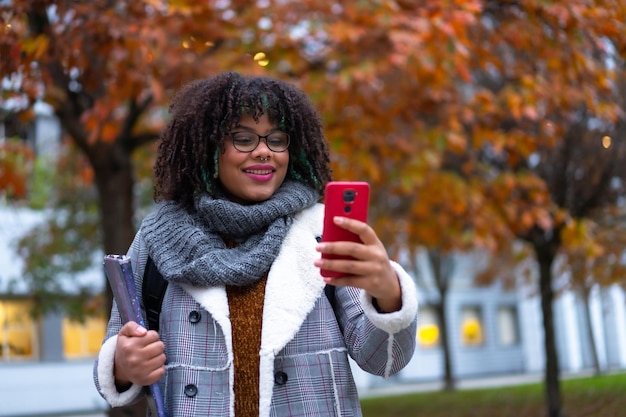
304 368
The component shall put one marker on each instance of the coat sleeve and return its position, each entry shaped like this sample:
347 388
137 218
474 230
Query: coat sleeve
380 343
103 370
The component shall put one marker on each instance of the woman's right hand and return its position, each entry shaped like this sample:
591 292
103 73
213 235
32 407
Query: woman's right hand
139 356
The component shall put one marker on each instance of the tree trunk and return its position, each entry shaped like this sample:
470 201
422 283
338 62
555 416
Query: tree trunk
586 296
449 380
545 257
115 184
443 267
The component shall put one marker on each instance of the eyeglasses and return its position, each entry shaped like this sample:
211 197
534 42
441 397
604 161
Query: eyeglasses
249 141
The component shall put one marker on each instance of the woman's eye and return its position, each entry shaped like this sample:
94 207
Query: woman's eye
276 140
243 139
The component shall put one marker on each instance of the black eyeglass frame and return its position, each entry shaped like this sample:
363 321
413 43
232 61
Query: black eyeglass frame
259 137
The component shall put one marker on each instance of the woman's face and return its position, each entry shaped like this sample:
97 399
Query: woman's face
251 177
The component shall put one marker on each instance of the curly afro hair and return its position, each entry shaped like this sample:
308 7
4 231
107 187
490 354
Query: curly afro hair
203 112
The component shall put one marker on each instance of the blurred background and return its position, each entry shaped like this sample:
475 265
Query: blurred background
493 134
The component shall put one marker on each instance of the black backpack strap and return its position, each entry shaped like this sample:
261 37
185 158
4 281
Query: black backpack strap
330 294
153 292
329 290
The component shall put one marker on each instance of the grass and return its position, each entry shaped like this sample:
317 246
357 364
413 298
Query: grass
601 396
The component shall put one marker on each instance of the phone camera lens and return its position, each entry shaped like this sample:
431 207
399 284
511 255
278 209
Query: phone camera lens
348 196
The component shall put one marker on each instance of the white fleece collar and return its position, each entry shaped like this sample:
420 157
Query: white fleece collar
294 284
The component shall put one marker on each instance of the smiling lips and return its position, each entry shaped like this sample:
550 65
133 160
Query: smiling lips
260 173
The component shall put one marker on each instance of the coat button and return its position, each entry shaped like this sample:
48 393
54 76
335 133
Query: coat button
191 390
195 316
280 378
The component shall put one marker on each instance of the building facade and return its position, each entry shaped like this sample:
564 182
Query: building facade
493 331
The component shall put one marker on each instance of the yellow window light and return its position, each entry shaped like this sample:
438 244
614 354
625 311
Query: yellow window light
472 332
428 335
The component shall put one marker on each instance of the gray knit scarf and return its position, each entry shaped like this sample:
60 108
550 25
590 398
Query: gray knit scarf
188 248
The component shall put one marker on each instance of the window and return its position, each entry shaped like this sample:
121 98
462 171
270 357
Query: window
471 326
427 327
18 336
82 340
508 331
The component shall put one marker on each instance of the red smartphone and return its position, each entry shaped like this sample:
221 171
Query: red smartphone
347 199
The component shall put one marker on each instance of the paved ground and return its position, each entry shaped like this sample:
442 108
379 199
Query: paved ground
469 383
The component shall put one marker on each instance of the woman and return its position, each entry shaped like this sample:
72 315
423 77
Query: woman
246 328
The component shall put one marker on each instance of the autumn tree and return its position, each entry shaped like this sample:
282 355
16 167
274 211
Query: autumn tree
578 173
452 110
479 96
593 191
108 69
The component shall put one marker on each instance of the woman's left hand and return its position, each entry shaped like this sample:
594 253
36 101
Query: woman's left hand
369 269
